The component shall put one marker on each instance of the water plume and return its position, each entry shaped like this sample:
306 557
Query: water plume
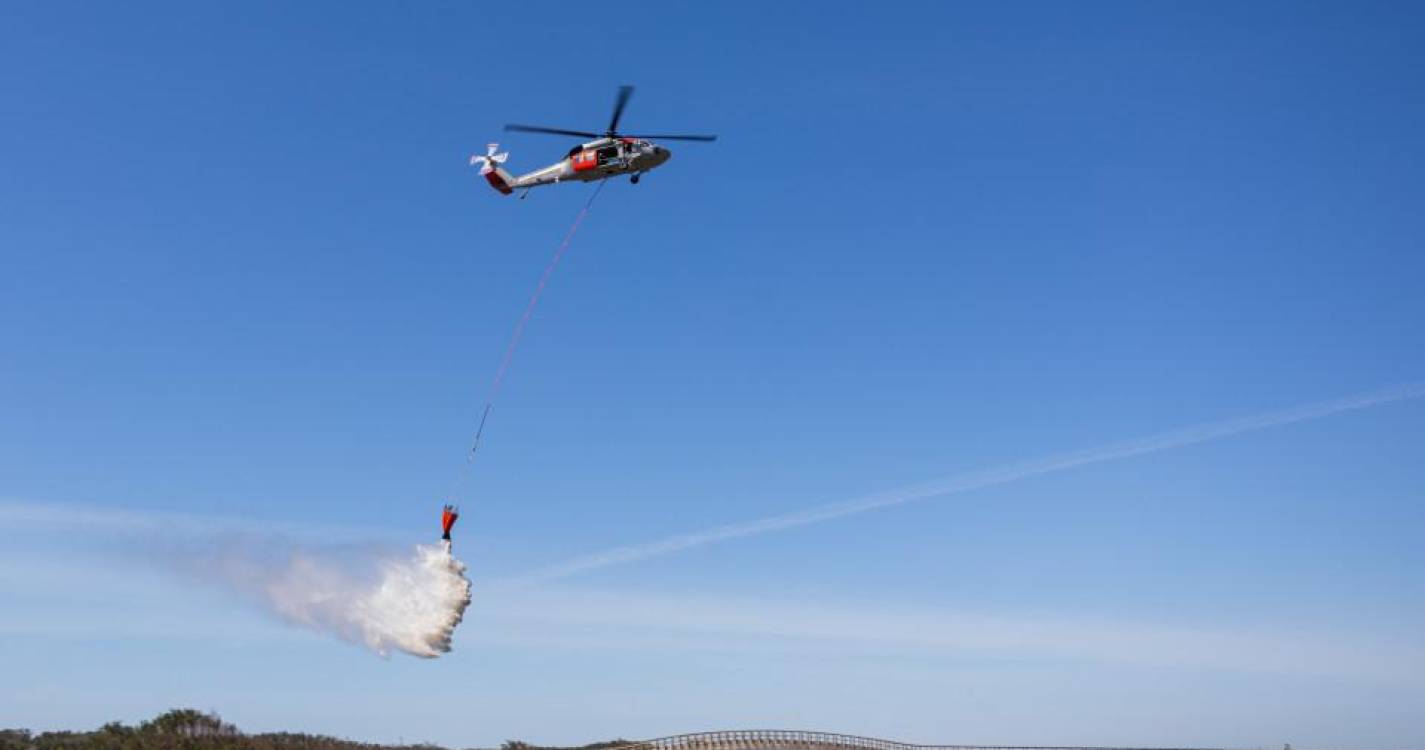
383 600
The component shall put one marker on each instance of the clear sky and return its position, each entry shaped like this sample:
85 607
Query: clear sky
248 282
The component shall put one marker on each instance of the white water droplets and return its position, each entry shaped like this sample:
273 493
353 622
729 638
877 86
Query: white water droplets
411 603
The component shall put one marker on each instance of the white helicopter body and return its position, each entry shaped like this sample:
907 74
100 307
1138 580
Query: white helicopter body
607 155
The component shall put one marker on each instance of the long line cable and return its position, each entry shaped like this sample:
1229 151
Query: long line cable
515 337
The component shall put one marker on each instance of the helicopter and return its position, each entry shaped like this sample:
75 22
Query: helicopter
607 155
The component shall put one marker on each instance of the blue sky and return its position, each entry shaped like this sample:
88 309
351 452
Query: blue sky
249 278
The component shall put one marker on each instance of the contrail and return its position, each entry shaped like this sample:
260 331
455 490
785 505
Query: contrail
975 480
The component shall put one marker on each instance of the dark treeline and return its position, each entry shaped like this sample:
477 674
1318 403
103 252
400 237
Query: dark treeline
187 729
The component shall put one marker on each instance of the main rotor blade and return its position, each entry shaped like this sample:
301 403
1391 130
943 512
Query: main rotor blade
676 137
551 131
624 92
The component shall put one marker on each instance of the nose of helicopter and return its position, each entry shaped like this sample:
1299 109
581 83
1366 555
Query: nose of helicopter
661 154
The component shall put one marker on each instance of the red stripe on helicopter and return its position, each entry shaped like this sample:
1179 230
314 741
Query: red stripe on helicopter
585 160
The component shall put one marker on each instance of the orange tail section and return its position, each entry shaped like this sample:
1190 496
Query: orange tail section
500 180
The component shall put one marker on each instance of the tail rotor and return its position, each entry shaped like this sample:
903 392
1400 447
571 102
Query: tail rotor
490 160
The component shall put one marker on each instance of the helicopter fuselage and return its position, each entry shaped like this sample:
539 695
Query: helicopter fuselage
607 155
596 160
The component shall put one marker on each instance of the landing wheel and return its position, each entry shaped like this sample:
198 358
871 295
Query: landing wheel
634 179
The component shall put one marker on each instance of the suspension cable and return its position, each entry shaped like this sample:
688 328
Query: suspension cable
515 336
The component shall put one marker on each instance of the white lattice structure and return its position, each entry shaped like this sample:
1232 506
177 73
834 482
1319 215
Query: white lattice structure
780 739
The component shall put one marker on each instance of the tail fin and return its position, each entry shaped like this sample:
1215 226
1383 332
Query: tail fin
500 180
490 163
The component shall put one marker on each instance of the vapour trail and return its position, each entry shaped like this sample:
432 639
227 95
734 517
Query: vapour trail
517 335
976 480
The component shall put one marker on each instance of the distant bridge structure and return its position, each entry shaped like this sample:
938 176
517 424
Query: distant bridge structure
781 739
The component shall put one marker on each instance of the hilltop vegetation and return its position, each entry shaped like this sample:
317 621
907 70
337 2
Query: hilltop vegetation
187 729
